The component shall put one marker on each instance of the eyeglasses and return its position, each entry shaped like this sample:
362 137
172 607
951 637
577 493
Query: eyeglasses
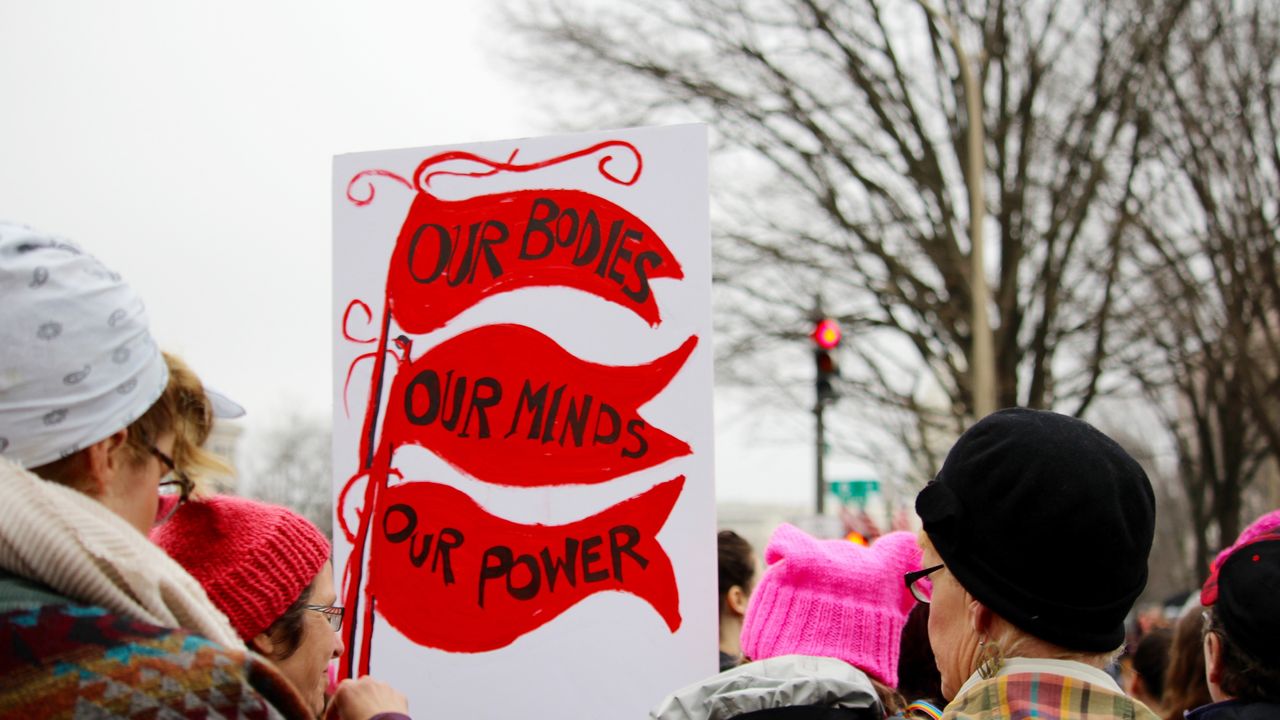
332 613
913 583
1206 618
179 485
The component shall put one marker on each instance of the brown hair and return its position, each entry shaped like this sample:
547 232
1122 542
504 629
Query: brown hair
918 676
1185 687
183 409
736 562
1242 676
890 699
286 631
1150 660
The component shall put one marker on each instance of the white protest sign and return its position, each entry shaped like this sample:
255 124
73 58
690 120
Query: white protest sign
522 422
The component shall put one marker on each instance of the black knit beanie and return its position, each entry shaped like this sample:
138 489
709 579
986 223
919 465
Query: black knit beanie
1046 521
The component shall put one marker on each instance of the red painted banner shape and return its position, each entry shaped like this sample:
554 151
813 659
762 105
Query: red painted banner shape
507 405
448 575
449 255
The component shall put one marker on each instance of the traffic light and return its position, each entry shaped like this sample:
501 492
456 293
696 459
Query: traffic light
826 338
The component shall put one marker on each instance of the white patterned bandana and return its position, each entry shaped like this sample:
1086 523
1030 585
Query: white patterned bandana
76 360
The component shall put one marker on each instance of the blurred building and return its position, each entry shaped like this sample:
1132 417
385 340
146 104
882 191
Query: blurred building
224 442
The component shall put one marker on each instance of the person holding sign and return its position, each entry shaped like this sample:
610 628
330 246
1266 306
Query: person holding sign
94 423
268 569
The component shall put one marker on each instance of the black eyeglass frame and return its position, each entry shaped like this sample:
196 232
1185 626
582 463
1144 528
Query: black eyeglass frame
912 578
180 481
332 613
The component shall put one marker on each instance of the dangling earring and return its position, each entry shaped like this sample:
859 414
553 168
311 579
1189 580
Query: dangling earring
990 659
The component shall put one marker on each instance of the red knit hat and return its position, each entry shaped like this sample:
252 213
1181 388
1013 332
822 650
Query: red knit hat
253 559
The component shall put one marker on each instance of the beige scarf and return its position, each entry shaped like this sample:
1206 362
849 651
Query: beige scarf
72 543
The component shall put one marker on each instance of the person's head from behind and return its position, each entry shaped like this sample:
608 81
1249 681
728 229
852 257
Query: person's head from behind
268 569
737 569
1242 630
832 598
1037 531
1149 663
87 399
1185 686
917 669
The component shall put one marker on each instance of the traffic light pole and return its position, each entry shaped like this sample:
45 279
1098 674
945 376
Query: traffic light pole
820 457
826 338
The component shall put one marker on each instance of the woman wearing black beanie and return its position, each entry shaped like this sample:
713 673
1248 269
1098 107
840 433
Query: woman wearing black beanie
1036 536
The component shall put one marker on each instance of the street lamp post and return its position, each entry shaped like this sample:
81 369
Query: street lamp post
982 370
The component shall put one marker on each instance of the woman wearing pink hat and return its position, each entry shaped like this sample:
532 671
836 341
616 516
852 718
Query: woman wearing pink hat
822 631
268 569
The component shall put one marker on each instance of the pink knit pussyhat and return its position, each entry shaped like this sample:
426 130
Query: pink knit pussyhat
833 598
253 559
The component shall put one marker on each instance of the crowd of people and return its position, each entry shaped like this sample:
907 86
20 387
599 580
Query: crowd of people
1034 548
124 592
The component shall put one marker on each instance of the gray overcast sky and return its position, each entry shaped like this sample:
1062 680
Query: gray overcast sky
188 145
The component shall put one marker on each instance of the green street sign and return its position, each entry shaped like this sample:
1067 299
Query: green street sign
855 490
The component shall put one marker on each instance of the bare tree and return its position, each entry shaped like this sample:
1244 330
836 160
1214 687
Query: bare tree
1205 336
1171 569
840 137
294 468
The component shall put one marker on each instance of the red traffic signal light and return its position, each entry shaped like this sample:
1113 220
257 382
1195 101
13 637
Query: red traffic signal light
826 334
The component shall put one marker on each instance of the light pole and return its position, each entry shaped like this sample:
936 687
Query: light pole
982 371
826 338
